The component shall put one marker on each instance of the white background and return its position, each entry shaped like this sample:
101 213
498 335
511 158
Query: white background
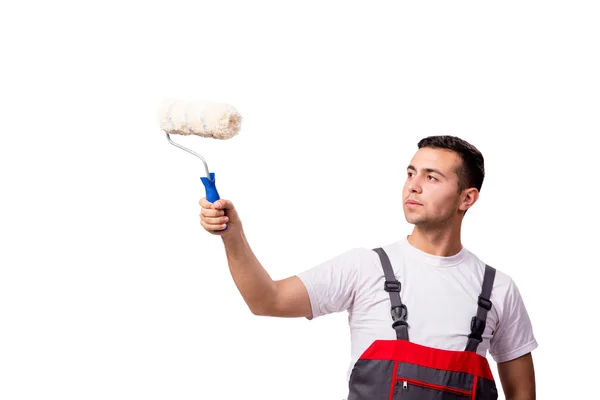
109 287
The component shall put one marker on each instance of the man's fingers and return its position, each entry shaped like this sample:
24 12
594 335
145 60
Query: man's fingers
212 227
223 204
215 221
209 212
205 203
212 215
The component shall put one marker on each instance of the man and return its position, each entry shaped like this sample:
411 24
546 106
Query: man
440 279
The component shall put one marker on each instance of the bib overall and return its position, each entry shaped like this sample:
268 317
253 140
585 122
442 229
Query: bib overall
402 370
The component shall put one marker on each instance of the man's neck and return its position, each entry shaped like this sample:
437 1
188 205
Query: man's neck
443 243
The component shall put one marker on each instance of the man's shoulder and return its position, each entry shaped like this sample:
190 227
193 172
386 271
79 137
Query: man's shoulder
350 259
368 260
368 253
504 284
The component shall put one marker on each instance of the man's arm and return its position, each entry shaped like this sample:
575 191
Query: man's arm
513 342
264 296
518 378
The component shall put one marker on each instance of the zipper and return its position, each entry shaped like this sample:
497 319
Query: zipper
406 382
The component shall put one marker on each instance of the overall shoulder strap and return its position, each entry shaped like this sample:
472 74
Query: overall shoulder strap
392 286
484 305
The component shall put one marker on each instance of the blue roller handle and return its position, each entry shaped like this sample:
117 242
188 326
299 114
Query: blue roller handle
212 194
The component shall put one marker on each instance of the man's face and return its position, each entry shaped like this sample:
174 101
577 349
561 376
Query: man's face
431 181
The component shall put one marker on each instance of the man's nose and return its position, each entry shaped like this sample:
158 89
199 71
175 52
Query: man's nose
414 186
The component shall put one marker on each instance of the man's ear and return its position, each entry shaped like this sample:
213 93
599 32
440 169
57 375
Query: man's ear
468 198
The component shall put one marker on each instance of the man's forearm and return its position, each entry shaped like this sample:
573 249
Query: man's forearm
252 280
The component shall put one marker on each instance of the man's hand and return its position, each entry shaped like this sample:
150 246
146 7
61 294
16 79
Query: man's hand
218 216
518 378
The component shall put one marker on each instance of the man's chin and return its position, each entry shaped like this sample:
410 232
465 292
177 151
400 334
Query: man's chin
414 221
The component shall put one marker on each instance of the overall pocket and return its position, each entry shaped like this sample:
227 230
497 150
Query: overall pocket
410 389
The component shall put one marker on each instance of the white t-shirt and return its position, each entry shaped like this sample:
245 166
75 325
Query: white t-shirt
440 294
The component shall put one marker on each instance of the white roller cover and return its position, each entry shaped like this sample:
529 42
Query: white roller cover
195 117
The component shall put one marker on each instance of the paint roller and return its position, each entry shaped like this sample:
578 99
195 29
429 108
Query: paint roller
201 118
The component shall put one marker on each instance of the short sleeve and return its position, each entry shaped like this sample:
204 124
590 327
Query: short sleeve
332 284
514 334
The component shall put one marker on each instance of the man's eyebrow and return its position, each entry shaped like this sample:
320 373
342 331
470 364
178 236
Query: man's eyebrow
427 170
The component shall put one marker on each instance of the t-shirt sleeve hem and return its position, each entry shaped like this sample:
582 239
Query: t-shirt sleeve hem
312 297
521 351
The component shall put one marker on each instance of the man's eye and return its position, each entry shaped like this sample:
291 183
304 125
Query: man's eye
432 177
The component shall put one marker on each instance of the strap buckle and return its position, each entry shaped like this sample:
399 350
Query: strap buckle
399 314
477 329
485 303
392 286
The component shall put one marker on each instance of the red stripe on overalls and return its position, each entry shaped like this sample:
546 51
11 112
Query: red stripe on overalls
474 389
413 353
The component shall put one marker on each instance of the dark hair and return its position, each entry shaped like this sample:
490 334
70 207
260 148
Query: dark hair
472 171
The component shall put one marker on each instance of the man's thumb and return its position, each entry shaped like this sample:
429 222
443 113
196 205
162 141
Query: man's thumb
220 204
